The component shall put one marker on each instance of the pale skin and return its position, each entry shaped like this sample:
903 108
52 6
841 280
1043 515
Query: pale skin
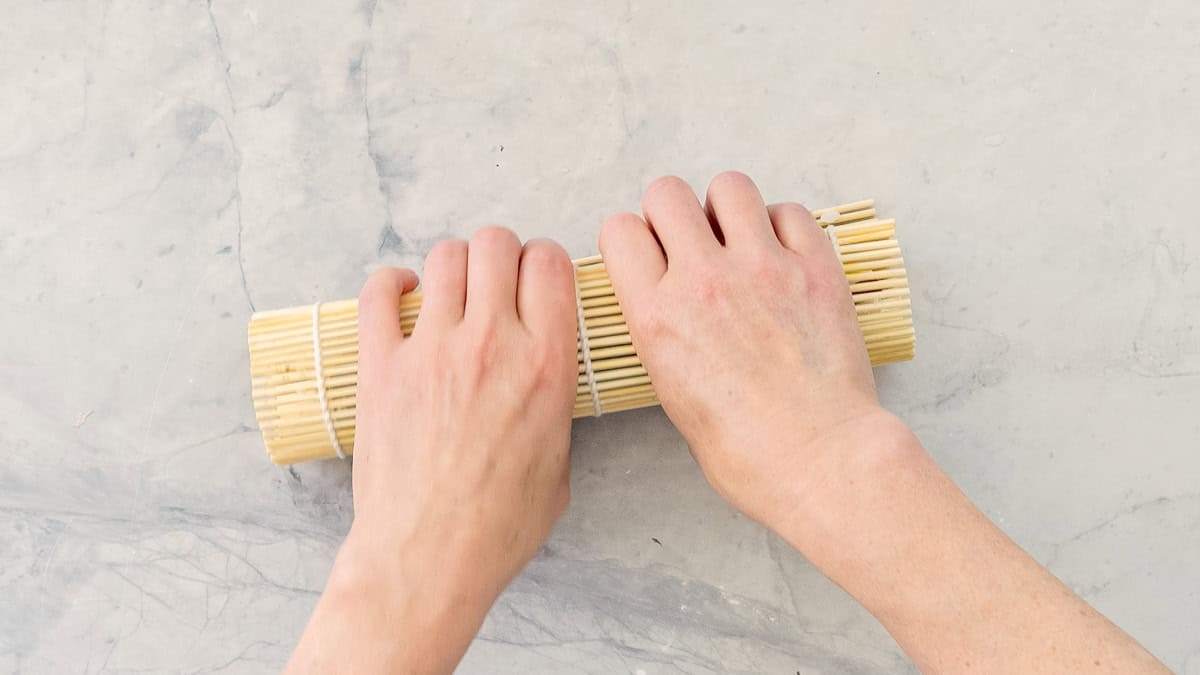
743 321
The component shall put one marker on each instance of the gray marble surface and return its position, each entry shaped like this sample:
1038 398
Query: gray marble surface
166 168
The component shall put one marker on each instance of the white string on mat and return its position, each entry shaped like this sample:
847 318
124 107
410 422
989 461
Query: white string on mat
316 340
583 346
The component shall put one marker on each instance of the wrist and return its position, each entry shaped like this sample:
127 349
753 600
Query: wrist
411 578
853 459
393 603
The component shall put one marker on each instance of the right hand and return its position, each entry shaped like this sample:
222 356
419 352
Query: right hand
744 322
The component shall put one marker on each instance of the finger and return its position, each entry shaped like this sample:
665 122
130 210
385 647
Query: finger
379 308
797 230
735 205
445 286
546 292
492 264
674 213
632 255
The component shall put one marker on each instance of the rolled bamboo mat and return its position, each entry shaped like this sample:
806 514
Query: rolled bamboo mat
304 360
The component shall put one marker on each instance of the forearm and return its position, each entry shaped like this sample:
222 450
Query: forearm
885 523
381 618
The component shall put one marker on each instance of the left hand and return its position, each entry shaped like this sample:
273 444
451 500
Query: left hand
461 449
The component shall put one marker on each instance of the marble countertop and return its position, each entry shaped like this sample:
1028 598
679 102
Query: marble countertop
167 168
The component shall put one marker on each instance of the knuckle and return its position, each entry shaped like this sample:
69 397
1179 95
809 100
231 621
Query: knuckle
664 186
620 220
730 181
618 226
495 235
791 210
373 289
446 262
545 257
666 182
444 252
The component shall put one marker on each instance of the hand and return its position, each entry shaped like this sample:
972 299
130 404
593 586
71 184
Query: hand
743 320
461 450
